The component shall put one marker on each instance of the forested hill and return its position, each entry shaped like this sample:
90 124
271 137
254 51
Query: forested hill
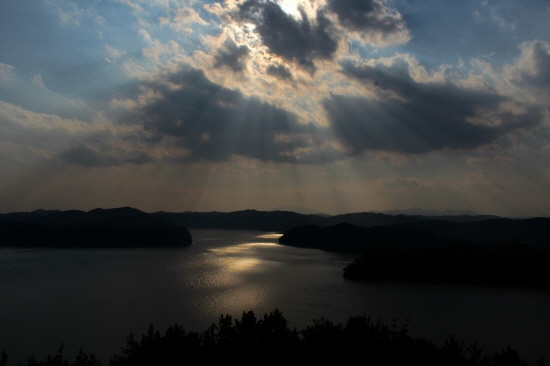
286 220
476 228
105 228
392 253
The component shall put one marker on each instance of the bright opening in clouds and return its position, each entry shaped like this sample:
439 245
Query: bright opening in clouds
328 105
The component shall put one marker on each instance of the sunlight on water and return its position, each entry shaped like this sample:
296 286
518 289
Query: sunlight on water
262 245
229 269
232 260
269 236
242 248
240 265
234 300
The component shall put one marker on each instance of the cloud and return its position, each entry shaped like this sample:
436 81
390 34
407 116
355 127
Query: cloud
37 80
525 80
84 155
295 40
50 137
113 53
372 20
401 183
145 35
411 117
210 122
280 72
188 15
28 137
493 14
232 56
182 20
533 67
30 93
70 14
6 71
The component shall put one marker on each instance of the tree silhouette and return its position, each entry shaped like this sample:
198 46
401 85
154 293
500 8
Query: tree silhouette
269 341
3 358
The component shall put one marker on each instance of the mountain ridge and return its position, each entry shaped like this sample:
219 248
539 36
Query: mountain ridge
462 227
98 228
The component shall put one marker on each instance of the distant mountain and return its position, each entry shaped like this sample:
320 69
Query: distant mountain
286 220
535 231
106 228
422 212
300 210
241 220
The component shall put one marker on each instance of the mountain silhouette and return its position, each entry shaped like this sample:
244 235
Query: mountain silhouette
286 220
399 253
104 228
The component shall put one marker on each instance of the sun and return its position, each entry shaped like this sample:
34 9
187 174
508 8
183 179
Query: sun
290 7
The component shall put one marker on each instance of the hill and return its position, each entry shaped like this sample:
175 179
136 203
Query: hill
394 253
101 228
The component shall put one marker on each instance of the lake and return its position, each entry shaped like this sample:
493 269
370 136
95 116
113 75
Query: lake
93 298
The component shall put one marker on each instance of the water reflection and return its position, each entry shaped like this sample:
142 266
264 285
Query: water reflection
240 265
269 236
236 276
240 258
243 248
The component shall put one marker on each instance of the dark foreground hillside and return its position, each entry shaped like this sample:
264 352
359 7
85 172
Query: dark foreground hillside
269 341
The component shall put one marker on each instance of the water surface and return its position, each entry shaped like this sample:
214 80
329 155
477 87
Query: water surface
94 297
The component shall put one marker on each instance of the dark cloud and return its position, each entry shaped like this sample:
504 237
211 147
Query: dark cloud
401 183
83 155
538 54
366 16
232 56
299 41
146 137
87 156
213 123
280 72
411 117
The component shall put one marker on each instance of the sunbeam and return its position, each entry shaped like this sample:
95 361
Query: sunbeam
324 104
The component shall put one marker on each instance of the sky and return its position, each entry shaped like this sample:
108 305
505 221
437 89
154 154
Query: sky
326 106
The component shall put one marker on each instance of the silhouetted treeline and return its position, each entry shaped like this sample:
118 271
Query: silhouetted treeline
269 341
123 227
355 239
